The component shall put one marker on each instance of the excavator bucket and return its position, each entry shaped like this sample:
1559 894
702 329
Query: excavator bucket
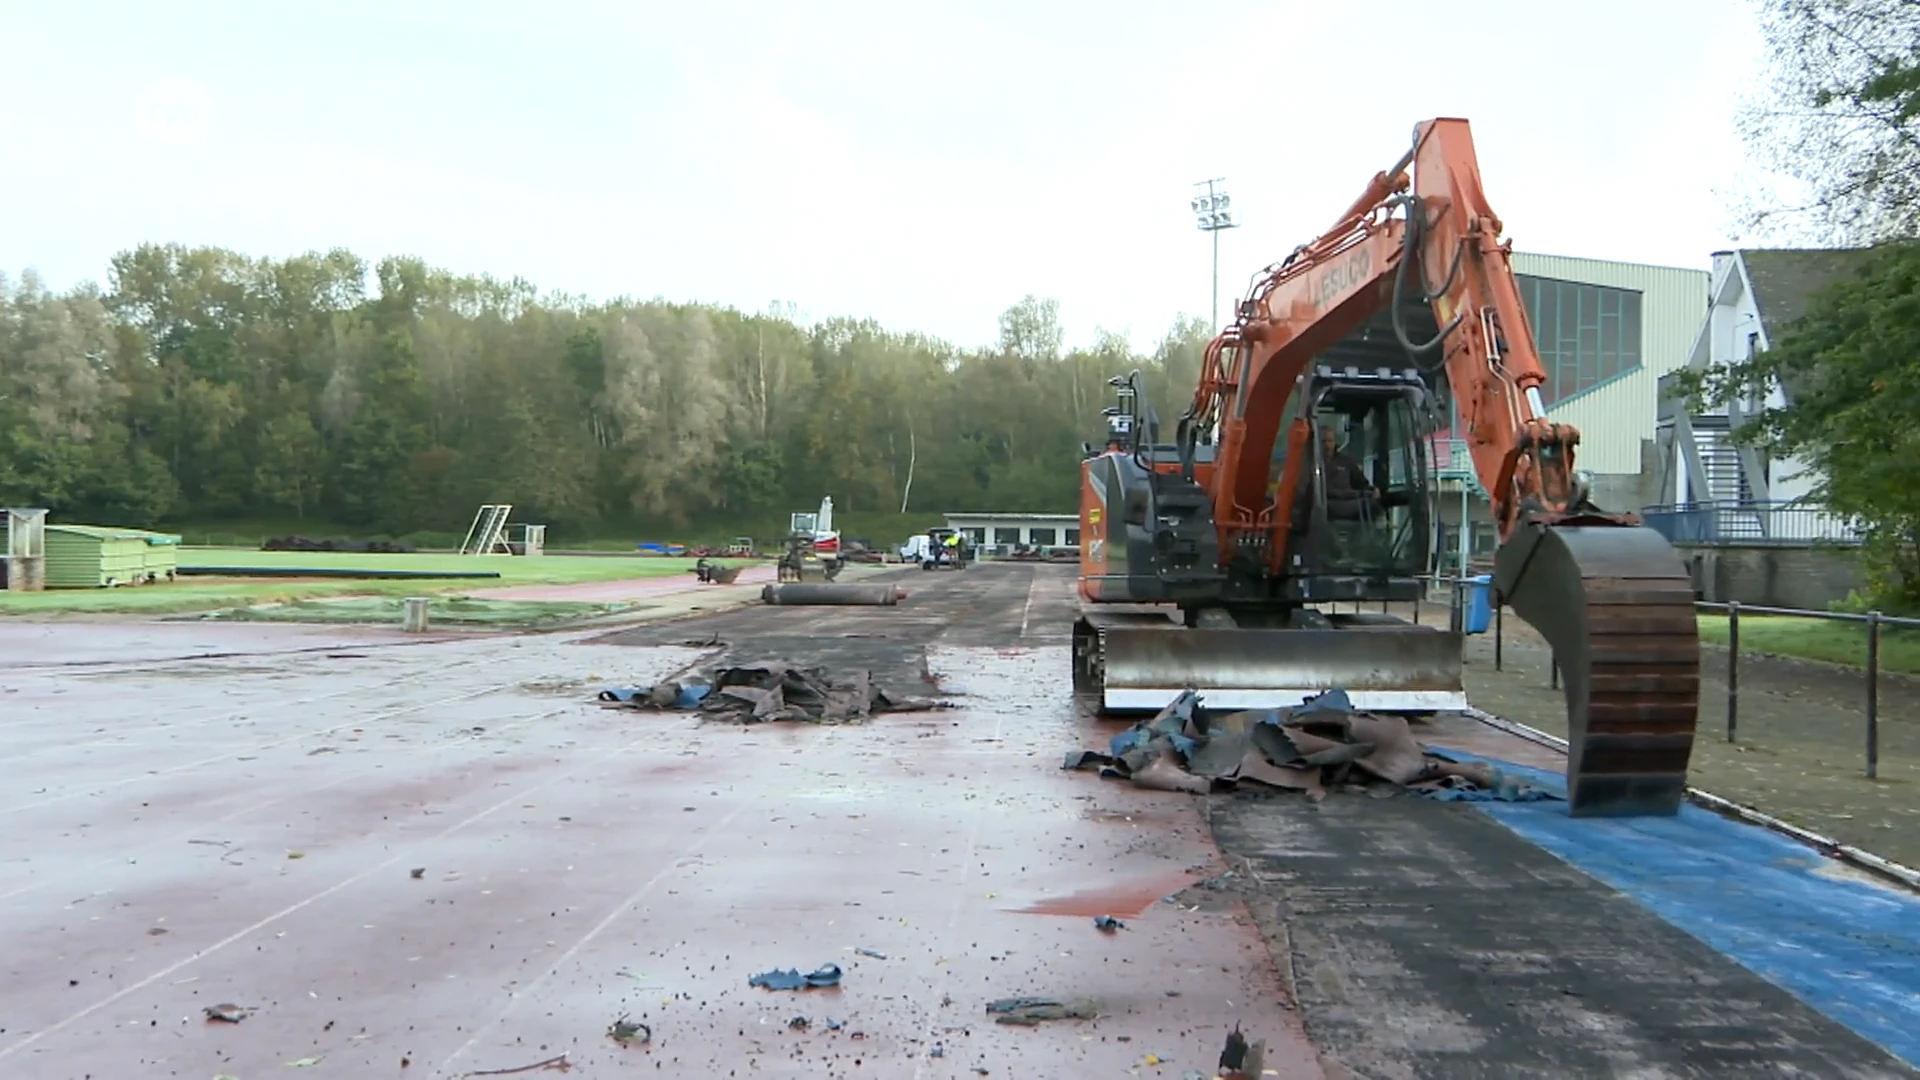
1392 667
1616 606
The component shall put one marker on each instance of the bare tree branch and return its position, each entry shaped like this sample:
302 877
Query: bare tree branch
1839 117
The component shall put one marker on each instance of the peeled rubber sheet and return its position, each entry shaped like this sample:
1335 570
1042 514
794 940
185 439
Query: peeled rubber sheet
1308 748
769 691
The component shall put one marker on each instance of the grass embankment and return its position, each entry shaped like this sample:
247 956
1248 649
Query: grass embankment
1826 640
201 594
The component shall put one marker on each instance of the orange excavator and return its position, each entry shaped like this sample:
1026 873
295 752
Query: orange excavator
1299 479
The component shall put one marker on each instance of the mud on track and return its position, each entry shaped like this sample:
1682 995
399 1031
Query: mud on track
578 864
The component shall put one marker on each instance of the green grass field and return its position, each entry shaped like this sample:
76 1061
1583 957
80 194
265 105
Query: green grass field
197 594
1817 639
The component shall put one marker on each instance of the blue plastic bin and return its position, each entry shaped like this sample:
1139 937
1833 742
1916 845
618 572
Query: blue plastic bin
1479 604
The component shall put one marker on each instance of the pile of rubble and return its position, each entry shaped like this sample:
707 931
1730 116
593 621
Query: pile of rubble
760 693
1312 747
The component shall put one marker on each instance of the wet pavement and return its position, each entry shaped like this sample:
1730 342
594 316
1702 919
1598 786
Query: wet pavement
441 859
243 831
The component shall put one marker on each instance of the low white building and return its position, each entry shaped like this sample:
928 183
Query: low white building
999 534
1709 488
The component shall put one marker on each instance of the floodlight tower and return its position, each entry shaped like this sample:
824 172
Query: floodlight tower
1211 214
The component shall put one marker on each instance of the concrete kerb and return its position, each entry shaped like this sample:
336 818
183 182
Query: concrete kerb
1897 873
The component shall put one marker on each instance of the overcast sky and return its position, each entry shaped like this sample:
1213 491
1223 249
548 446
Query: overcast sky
922 165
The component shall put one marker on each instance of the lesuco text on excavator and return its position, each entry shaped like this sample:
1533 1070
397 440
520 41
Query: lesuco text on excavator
1300 476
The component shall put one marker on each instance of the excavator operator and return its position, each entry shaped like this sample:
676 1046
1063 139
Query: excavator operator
1348 489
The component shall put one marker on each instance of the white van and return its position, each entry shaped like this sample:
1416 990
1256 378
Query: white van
917 549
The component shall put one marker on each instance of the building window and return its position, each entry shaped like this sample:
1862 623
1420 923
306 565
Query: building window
1040 536
1006 536
1073 537
1585 334
975 536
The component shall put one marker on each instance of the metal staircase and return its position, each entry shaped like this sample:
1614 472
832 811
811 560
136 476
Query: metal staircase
488 533
1729 490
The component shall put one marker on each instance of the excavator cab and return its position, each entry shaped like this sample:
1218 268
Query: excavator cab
1362 523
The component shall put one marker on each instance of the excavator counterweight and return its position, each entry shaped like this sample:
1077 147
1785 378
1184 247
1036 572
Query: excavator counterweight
1298 489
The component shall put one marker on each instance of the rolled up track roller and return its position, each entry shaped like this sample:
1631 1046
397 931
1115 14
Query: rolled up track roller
793 593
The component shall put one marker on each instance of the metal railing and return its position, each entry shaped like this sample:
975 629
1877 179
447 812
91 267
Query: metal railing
1874 622
1457 592
1747 522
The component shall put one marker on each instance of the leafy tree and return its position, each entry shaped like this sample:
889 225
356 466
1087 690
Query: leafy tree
1840 114
1852 364
381 461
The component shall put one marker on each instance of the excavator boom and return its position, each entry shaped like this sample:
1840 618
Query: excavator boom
1256 516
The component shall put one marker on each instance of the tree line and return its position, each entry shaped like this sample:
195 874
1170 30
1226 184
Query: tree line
203 385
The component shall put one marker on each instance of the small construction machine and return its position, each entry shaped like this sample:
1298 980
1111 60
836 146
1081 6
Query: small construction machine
813 547
1299 477
818 528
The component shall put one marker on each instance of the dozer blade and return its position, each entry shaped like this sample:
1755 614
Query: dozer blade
1616 605
1392 668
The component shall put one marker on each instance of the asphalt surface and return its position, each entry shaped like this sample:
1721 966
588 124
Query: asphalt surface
1449 947
439 859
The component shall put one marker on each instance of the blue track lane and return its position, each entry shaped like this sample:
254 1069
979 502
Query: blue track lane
1848 949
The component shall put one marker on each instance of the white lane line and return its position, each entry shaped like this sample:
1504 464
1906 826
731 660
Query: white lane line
934 1020
362 721
171 969
242 715
183 835
600 927
1026 613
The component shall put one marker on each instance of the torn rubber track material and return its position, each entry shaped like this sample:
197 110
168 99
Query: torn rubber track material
1616 606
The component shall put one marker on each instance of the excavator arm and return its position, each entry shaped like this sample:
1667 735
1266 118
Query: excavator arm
1609 595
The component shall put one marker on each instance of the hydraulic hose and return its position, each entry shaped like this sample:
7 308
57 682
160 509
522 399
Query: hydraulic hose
1412 245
